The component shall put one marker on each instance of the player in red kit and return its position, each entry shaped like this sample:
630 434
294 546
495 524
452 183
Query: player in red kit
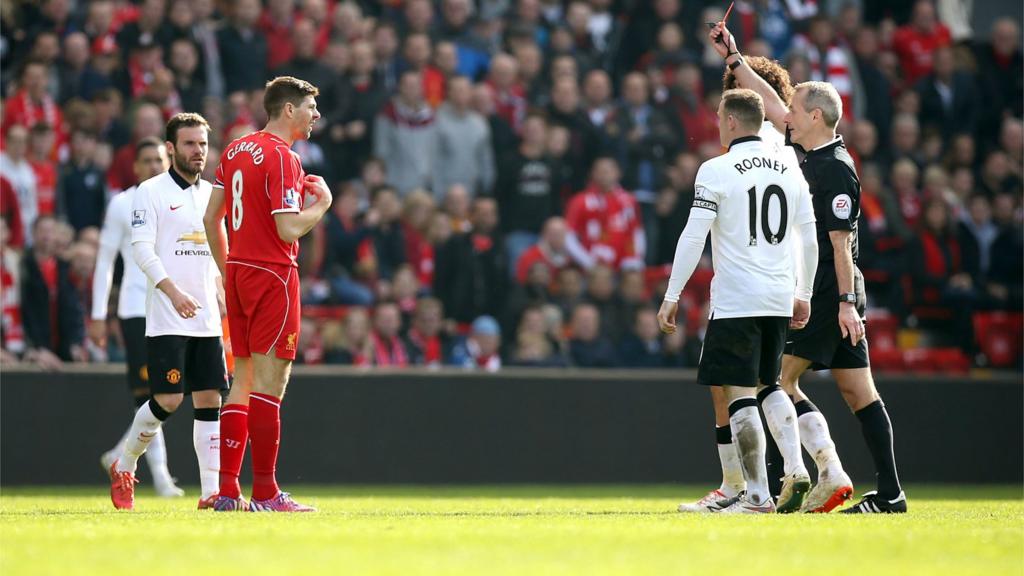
270 204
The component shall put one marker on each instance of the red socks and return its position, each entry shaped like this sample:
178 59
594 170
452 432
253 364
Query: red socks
234 433
265 434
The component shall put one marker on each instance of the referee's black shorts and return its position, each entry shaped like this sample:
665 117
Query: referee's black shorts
821 341
186 364
742 351
134 332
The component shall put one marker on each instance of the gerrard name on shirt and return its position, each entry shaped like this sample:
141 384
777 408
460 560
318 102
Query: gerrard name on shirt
254 150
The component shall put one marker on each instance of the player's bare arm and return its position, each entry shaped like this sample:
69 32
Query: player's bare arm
216 235
850 322
291 225
775 109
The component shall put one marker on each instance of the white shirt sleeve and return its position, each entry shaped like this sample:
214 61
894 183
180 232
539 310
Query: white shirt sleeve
688 252
808 263
144 227
805 208
114 224
707 193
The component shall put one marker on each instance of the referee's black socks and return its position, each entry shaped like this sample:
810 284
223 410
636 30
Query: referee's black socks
877 430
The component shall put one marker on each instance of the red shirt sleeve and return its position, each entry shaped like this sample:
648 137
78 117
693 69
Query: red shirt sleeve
218 177
575 214
12 212
284 181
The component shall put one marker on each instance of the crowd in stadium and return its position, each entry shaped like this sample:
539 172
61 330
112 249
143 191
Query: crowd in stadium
510 176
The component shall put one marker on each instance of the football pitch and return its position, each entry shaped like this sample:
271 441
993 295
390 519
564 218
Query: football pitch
505 530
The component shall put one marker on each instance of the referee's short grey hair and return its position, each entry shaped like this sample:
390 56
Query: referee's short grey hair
824 97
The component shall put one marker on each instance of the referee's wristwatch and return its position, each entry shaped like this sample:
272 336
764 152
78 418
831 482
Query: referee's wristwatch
848 298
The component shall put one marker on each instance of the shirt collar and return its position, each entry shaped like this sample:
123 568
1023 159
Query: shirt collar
744 140
837 141
179 180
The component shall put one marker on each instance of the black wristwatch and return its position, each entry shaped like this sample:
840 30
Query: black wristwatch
848 298
736 63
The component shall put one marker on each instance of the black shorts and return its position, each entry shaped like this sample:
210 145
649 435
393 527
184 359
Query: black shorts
821 341
742 351
134 332
186 364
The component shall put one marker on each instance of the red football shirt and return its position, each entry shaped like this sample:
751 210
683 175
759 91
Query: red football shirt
261 176
605 224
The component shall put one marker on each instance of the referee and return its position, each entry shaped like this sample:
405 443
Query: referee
834 336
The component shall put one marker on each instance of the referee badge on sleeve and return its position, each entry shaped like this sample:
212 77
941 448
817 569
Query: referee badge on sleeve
138 218
842 206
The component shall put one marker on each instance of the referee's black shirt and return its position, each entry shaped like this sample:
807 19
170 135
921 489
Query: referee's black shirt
835 192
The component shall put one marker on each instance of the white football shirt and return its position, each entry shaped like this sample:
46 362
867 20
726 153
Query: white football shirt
756 199
116 237
171 217
776 140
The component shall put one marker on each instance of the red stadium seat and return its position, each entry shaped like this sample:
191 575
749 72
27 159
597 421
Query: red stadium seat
937 360
998 335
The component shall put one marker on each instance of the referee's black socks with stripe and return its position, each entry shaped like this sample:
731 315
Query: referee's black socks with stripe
877 430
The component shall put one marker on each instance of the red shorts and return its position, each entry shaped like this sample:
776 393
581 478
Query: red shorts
264 311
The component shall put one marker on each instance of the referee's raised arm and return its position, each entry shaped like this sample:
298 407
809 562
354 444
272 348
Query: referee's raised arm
775 109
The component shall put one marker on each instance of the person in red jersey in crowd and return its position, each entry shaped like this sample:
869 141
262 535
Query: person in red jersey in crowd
272 204
916 42
604 221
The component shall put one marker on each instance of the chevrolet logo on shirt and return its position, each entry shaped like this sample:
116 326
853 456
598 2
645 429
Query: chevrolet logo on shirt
196 237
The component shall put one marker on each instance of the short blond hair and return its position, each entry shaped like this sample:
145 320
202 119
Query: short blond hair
746 106
822 96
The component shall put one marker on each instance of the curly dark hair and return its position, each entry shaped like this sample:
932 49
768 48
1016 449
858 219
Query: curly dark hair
773 73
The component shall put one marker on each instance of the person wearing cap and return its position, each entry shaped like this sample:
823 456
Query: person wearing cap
479 350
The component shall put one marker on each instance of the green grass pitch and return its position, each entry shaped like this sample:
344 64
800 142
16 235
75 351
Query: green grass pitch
505 530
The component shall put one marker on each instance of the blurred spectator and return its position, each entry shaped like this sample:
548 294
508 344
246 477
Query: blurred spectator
995 176
604 222
405 289
18 172
184 64
977 233
564 111
1000 75
74 66
469 277
10 213
12 332
587 348
949 100
305 63
150 28
405 136
509 94
277 23
358 97
917 42
1005 285
904 186
647 138
353 345
41 157
829 61
480 349
345 261
243 48
31 103
457 205
601 293
642 347
700 123
567 290
147 122
110 127
550 250
386 347
388 240
82 197
416 57
417 217
525 189
503 138
51 311
462 152
385 47
875 86
426 342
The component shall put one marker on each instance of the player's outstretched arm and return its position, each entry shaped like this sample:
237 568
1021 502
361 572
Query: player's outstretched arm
294 225
216 235
775 109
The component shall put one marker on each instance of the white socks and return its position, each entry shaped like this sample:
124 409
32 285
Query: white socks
780 414
818 443
206 438
144 428
732 472
750 443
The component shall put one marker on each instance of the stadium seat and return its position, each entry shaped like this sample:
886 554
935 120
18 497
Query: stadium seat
937 360
998 336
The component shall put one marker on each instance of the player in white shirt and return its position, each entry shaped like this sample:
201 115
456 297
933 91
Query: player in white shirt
777 79
183 321
116 237
758 210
